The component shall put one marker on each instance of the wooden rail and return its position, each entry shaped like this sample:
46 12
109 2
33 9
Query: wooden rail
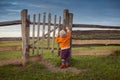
17 22
8 23
83 45
94 26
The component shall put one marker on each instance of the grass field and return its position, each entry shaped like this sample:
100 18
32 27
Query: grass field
98 67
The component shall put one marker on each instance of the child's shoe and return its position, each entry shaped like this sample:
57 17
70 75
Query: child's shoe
62 66
66 65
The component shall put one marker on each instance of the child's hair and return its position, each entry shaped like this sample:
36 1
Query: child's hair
62 33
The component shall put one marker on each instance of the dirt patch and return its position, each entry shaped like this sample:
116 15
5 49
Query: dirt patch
18 60
53 68
10 61
50 66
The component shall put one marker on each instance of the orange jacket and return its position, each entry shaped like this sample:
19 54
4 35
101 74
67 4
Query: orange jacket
64 42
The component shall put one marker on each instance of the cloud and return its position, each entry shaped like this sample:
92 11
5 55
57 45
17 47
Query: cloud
13 10
42 5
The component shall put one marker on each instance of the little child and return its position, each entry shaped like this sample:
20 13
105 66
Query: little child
64 40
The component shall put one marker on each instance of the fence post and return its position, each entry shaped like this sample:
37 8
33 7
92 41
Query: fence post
33 34
70 27
43 32
68 21
28 32
53 40
65 18
49 26
25 40
38 35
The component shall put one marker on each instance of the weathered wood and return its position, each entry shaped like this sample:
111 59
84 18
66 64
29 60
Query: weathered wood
43 33
70 27
46 34
49 24
86 26
60 25
17 22
24 30
53 40
38 35
96 34
59 28
86 45
65 18
45 48
33 34
95 26
8 23
28 33
52 24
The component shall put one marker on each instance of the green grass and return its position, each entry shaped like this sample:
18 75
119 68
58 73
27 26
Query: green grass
98 67
9 54
10 43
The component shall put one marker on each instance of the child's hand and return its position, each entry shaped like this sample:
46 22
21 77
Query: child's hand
57 35
67 28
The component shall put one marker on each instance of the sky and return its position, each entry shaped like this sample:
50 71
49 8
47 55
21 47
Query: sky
101 12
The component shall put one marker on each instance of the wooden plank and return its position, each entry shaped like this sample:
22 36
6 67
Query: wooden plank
46 34
65 18
28 33
49 24
24 36
52 24
43 33
38 35
8 23
45 48
95 26
59 25
96 34
59 28
70 27
86 45
53 40
86 25
33 35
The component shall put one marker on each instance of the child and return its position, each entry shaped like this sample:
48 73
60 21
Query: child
64 40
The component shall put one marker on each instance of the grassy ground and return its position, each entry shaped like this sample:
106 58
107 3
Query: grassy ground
98 67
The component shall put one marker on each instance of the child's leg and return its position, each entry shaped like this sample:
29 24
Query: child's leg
62 59
62 63
67 57
67 62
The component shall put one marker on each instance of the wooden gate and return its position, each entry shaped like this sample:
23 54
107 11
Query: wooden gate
41 32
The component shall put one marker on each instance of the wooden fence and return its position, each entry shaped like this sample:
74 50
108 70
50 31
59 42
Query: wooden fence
67 21
110 36
38 23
